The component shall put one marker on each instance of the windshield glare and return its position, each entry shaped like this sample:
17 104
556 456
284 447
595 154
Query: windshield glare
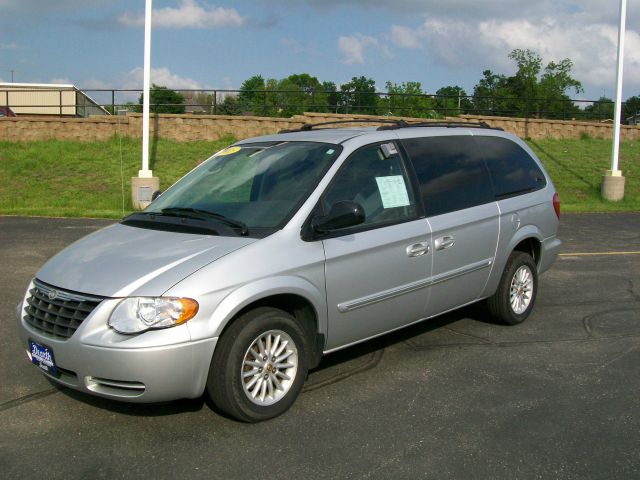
258 184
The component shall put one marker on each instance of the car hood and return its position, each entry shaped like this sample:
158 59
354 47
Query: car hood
122 260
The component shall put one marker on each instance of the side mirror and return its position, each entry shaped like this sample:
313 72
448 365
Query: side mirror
155 195
341 215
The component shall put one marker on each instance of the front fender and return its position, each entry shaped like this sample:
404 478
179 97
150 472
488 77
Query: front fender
267 287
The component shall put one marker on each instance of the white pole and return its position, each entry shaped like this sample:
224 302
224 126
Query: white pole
145 172
616 116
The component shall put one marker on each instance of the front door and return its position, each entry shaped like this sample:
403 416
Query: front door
376 272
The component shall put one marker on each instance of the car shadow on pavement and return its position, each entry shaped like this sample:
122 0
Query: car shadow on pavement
333 367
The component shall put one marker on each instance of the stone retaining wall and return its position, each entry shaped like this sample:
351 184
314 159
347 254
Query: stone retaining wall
185 128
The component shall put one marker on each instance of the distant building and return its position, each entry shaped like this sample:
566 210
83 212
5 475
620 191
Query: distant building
634 119
48 99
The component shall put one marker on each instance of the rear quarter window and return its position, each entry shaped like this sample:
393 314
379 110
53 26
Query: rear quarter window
513 171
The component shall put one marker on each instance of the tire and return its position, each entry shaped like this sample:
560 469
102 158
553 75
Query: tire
516 294
243 381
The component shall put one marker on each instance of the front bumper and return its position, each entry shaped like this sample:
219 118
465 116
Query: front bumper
159 365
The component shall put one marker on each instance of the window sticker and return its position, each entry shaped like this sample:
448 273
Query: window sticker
393 191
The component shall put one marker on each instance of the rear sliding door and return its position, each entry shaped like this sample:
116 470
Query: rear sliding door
462 213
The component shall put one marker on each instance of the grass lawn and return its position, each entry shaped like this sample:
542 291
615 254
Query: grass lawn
74 179
576 168
64 178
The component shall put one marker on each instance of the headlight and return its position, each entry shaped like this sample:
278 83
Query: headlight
137 314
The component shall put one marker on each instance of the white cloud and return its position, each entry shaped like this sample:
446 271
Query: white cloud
592 47
8 46
63 81
405 37
352 48
133 79
160 76
189 14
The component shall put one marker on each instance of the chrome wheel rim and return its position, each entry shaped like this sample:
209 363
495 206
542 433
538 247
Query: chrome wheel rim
269 367
521 290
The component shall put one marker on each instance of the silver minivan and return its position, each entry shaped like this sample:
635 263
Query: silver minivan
282 248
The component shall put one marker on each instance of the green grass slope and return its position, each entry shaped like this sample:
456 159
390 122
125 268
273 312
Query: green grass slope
64 178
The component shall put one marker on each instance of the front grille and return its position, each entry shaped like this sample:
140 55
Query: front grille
55 312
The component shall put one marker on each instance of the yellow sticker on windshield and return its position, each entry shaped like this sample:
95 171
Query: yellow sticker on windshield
227 151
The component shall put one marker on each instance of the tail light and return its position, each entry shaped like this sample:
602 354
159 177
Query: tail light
556 204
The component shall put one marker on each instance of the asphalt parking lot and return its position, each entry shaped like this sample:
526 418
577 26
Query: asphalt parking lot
454 397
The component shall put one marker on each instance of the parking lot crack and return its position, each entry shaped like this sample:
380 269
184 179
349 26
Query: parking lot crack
468 335
26 399
372 363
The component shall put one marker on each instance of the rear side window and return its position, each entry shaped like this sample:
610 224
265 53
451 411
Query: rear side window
451 172
512 169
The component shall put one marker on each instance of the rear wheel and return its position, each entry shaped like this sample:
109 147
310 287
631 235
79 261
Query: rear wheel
259 365
516 294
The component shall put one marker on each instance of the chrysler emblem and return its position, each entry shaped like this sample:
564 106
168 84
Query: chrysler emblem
52 294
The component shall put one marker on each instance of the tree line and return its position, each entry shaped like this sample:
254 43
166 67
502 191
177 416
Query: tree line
535 91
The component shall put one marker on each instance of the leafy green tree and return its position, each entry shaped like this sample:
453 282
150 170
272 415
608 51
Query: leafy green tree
409 100
359 96
230 106
532 91
631 107
489 92
164 100
252 97
452 101
602 109
330 90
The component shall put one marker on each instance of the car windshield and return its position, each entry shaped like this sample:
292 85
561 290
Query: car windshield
258 186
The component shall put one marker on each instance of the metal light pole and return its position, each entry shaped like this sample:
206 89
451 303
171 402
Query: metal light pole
612 180
145 172
143 186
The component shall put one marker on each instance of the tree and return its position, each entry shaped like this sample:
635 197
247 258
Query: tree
330 90
489 93
164 100
408 99
452 101
631 107
359 96
602 109
252 97
532 91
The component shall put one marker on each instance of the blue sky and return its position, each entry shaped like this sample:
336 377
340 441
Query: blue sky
218 44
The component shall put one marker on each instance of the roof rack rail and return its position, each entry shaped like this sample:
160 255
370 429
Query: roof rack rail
310 126
440 124
394 124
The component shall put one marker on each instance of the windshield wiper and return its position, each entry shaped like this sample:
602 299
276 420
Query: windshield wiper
199 213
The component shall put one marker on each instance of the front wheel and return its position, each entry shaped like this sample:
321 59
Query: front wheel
516 294
259 365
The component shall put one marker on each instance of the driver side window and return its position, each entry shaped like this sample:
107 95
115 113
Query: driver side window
376 178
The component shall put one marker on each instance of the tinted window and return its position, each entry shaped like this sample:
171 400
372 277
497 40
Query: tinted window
374 177
512 169
451 173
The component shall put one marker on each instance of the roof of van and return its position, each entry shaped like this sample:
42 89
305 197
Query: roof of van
337 135
325 135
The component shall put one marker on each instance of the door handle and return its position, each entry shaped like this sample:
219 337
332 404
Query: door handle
418 249
445 242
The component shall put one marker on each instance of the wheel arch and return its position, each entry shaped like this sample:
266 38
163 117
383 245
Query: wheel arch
290 294
527 239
